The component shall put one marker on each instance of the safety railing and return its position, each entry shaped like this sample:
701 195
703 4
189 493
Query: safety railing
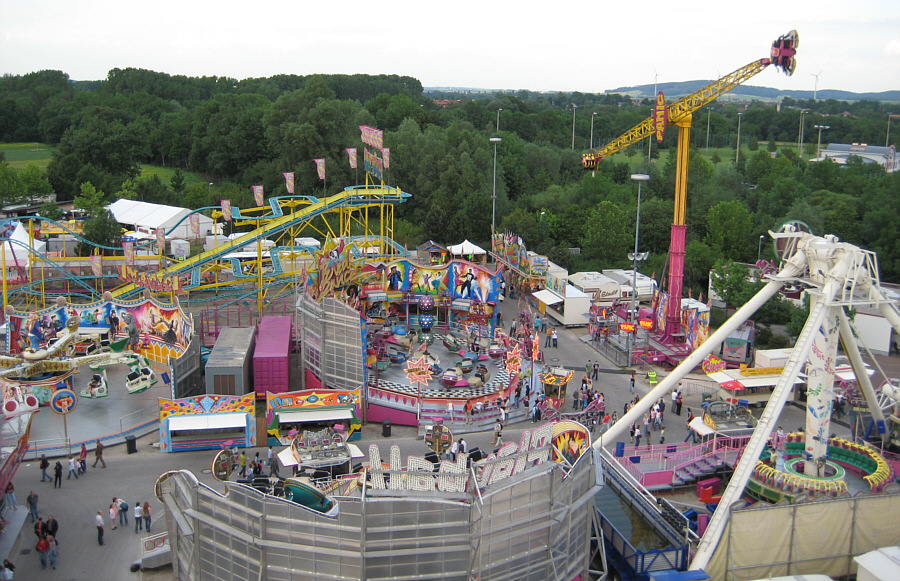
140 417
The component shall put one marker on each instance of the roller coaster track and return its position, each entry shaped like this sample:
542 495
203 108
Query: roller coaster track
352 197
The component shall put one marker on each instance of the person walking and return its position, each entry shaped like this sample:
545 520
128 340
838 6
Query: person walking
82 459
51 526
72 470
595 371
53 552
42 547
147 511
549 335
123 511
57 475
138 517
273 462
44 465
637 436
98 454
631 384
243 462
32 502
679 401
453 451
99 520
39 528
498 433
11 496
555 339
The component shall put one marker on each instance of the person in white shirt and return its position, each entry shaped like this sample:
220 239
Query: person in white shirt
454 450
138 517
99 520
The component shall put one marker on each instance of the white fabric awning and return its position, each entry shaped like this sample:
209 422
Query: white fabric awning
208 421
547 297
313 415
465 247
697 424
355 452
286 457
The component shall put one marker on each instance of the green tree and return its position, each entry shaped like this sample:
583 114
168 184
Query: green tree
177 181
100 229
51 211
90 200
731 281
605 237
730 230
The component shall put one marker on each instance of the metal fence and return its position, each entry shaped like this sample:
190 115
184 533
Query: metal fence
386 535
141 417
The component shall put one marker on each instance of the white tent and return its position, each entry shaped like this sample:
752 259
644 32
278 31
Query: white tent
18 255
466 248
147 218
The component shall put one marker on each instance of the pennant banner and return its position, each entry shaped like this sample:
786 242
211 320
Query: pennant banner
128 247
387 158
195 225
226 211
161 239
97 265
373 164
289 181
320 167
372 136
258 195
351 153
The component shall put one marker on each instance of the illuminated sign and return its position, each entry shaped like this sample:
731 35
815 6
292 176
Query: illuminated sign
627 327
646 324
750 371
660 117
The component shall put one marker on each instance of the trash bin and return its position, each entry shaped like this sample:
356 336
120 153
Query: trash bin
131 444
386 428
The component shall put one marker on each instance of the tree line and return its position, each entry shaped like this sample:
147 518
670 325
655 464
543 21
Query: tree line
238 133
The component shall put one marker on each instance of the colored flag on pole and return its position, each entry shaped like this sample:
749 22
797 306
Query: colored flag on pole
351 152
258 195
128 247
226 211
387 158
289 181
97 264
320 167
195 225
161 238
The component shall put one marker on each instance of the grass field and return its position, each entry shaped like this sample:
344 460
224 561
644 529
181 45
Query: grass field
20 155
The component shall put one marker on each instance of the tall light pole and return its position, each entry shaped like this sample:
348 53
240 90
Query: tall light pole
635 258
887 140
498 120
594 114
737 154
209 189
495 141
574 108
759 247
800 132
708 115
819 145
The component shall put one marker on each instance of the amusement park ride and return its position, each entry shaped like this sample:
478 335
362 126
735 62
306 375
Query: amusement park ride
782 55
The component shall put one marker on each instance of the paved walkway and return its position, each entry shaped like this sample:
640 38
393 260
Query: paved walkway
77 502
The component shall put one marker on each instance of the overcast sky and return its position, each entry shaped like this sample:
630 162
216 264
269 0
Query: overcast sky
549 46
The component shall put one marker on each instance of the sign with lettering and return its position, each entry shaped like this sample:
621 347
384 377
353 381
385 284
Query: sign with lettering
660 117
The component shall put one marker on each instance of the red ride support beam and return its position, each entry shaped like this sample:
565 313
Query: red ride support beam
677 244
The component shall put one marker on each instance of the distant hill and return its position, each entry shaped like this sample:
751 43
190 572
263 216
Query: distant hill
675 90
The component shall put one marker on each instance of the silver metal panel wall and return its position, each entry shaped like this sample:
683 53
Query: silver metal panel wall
534 525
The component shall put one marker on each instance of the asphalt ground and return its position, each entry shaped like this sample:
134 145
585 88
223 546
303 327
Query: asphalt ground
76 503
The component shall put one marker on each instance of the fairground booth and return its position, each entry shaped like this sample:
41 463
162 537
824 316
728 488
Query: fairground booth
207 422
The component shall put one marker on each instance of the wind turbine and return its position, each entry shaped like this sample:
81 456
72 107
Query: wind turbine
816 88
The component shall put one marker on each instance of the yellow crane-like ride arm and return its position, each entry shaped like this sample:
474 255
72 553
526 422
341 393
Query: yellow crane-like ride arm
679 114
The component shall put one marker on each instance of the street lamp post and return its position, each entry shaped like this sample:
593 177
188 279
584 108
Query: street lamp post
594 114
708 115
636 257
495 141
800 132
819 144
498 120
737 154
209 188
887 139
759 247
574 108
